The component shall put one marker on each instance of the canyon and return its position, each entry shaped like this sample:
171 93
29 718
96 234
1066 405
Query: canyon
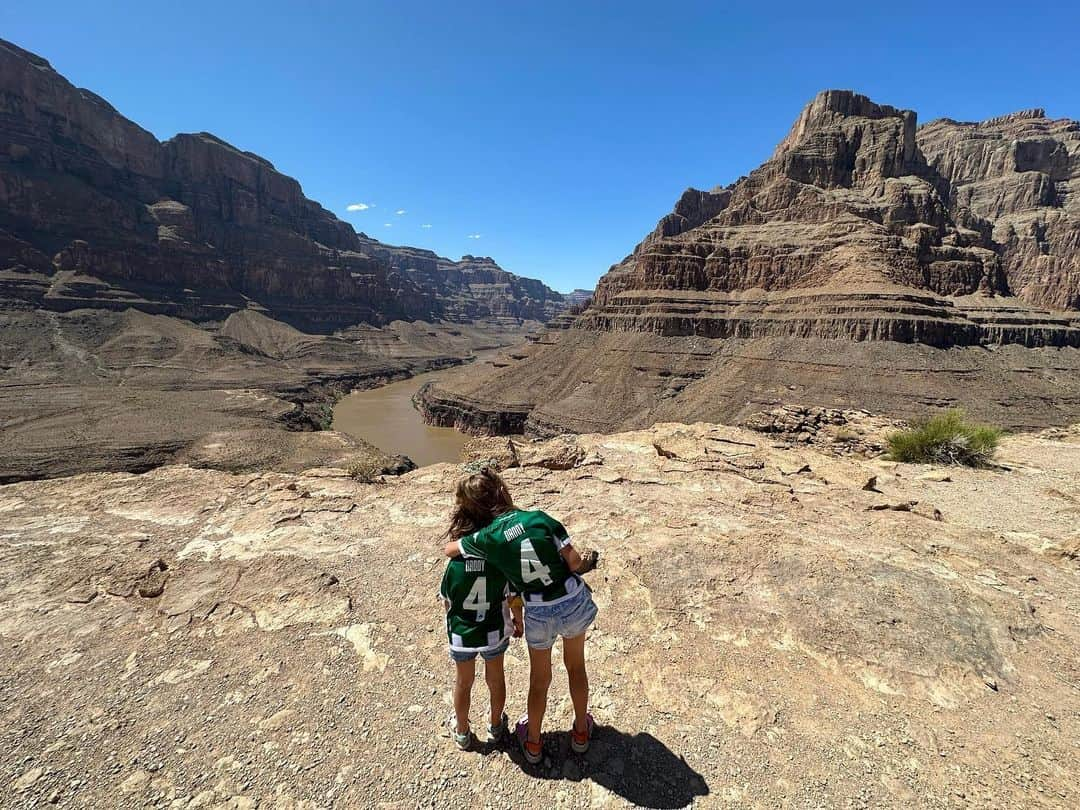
869 263
210 598
184 299
96 212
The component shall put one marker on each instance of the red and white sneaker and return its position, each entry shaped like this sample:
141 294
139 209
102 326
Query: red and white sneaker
579 741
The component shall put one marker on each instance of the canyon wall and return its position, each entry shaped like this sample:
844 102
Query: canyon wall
95 212
868 262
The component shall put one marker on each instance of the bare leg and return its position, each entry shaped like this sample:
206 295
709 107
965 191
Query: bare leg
574 658
466 674
496 684
539 681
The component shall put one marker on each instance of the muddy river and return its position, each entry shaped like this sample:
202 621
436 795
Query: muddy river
386 418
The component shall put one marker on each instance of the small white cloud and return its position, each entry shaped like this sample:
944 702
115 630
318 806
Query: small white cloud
388 224
400 211
358 207
425 225
474 236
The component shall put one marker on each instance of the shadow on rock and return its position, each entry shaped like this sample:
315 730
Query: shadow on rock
637 767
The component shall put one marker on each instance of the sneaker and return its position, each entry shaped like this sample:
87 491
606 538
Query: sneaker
497 733
463 741
580 742
534 752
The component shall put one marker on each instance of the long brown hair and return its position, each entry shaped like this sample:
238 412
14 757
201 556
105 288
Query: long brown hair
478 500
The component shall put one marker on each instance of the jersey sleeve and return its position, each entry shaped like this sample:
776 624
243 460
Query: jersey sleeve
558 531
473 545
444 588
442 583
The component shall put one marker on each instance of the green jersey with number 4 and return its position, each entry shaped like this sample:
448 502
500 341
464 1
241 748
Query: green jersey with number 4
474 595
525 547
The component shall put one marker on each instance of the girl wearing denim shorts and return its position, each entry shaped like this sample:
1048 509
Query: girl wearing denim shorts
533 551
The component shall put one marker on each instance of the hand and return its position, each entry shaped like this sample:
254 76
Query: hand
519 627
589 560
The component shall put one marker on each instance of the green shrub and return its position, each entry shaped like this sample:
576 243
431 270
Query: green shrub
948 438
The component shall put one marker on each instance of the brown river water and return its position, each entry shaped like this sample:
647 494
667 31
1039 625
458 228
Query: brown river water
386 417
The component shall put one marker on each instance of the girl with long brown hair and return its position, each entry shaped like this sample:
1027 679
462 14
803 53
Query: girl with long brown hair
480 615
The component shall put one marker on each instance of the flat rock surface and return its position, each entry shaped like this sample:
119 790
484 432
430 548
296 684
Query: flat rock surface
771 632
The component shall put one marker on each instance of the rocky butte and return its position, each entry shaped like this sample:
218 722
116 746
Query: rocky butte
868 263
164 300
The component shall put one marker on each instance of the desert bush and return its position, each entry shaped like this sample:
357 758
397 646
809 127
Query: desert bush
947 438
365 471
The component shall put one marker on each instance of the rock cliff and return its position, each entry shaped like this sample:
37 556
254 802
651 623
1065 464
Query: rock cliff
95 212
472 288
1019 173
867 262
771 632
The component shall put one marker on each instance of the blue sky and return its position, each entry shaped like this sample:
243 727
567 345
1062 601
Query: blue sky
549 135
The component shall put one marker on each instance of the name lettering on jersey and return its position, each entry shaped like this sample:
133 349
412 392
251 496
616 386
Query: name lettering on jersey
513 532
474 565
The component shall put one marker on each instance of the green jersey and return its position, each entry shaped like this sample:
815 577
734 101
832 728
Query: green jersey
474 595
525 547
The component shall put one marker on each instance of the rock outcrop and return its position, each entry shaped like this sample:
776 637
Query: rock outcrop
771 632
867 263
95 212
473 288
1021 174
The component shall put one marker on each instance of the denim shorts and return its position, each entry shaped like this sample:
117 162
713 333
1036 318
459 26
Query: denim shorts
569 619
464 657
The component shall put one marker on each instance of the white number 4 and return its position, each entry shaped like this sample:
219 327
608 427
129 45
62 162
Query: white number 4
476 601
531 567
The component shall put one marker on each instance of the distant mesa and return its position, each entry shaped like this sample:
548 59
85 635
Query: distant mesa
867 263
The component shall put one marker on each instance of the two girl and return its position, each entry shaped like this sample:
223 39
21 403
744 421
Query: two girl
528 553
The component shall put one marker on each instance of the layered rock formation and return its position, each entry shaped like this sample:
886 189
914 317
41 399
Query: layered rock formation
771 633
578 297
473 288
1021 174
866 263
95 212
185 299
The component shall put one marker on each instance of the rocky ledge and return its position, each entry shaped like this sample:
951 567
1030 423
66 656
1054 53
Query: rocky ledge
779 625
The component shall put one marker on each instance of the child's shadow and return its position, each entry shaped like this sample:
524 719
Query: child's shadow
637 767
